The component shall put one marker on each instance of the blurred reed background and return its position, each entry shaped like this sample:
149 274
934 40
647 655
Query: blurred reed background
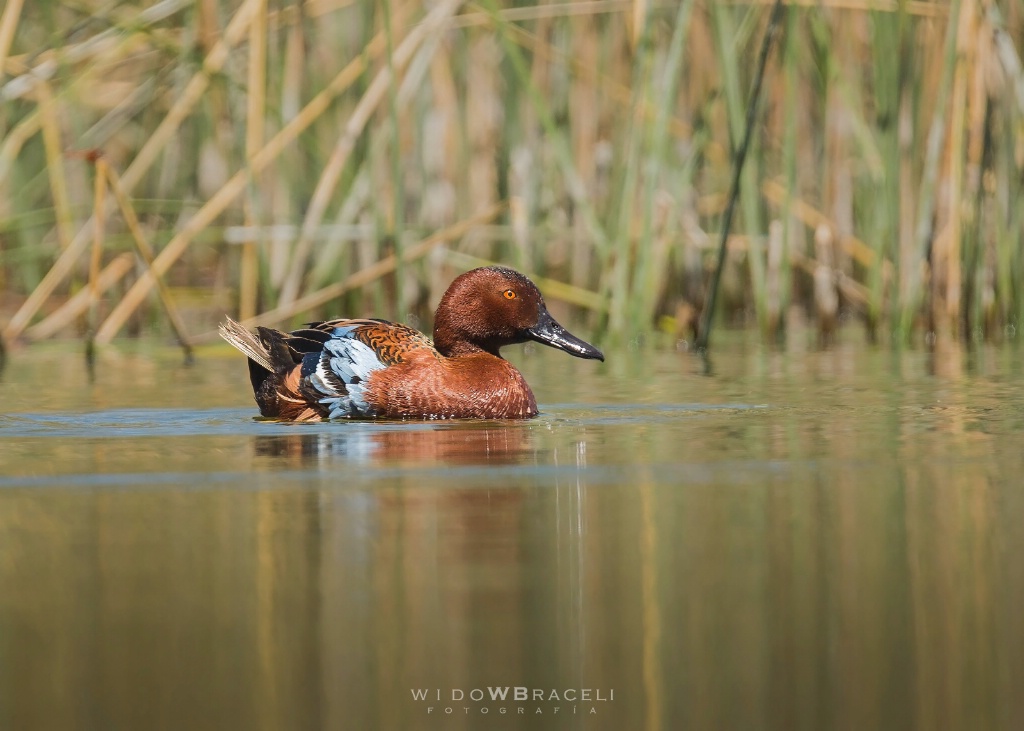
337 157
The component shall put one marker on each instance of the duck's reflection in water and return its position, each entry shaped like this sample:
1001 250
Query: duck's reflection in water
464 444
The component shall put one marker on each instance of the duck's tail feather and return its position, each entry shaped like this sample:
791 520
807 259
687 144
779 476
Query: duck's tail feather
247 342
275 371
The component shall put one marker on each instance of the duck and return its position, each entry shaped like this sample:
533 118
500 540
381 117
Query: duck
376 369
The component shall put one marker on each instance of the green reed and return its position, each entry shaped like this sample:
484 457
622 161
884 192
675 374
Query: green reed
610 128
649 268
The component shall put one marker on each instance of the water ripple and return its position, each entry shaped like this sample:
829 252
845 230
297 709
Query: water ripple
126 423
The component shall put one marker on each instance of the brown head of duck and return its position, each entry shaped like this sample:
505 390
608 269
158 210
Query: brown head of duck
488 308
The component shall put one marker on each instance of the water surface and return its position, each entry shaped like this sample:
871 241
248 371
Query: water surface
798 539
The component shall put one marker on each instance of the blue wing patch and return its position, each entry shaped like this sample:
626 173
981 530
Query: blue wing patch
341 372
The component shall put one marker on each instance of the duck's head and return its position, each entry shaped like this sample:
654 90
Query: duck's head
489 307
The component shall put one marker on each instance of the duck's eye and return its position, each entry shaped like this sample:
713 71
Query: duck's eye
509 294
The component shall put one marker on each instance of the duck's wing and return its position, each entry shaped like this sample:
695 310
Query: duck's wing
351 351
391 342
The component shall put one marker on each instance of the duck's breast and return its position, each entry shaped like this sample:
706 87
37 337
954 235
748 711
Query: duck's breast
425 385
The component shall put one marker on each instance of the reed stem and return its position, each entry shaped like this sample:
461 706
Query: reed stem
397 227
8 24
651 261
55 163
704 331
248 285
103 170
925 228
95 259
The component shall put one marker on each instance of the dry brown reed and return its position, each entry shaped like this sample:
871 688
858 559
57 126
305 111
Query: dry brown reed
887 172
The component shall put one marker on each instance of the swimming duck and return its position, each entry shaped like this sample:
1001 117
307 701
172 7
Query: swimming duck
375 368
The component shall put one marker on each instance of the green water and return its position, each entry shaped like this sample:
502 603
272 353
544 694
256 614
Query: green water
798 539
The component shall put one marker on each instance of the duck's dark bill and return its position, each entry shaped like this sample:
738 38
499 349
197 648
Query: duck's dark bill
549 332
